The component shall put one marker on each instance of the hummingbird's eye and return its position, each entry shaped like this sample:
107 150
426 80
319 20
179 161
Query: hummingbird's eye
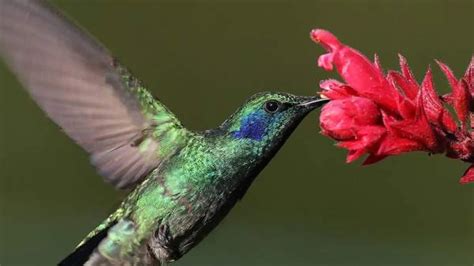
272 106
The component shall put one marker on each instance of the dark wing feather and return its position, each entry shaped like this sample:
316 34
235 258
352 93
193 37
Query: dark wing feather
79 85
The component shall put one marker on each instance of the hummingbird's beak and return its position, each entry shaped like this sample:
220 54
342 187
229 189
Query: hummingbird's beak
313 102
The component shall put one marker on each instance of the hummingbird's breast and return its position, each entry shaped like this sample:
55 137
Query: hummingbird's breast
202 182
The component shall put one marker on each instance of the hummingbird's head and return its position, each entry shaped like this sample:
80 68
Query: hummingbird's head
268 118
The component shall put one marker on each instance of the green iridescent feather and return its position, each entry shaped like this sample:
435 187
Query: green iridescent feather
182 182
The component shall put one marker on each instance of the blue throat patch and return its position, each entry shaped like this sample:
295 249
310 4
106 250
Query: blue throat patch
252 126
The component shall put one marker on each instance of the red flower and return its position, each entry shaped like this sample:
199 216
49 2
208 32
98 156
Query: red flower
388 114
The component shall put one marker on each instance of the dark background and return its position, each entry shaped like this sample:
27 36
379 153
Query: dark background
203 59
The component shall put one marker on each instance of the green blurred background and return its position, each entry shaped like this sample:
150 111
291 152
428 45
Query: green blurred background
203 59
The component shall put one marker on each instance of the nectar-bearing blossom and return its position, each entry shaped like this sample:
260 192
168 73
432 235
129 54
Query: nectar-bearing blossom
382 114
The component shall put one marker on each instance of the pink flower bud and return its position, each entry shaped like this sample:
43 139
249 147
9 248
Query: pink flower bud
342 119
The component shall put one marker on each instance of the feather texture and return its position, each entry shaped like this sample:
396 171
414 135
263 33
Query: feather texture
75 80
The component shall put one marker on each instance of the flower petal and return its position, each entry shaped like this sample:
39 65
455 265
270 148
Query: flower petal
434 109
468 176
326 39
377 63
367 139
460 95
341 119
353 155
373 158
393 145
406 71
410 89
406 108
334 89
417 129
462 148
469 76
356 69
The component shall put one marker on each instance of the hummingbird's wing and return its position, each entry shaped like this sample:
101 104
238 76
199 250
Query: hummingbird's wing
95 100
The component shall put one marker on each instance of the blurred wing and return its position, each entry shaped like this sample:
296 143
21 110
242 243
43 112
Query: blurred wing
74 79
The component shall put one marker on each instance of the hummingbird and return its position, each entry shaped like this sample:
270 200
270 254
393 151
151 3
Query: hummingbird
181 183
